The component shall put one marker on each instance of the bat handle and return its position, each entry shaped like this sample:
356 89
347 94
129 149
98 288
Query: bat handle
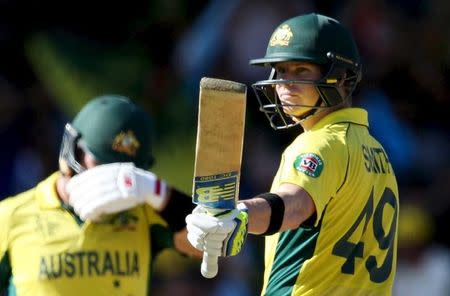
209 267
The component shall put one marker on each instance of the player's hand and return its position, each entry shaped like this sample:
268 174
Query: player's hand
220 235
112 188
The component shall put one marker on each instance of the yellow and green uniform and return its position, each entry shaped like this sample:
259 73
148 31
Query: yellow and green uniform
46 250
349 247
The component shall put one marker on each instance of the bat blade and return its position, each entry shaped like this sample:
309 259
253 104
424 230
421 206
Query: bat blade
219 146
220 134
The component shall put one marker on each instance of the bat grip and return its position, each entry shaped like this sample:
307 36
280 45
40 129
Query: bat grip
209 267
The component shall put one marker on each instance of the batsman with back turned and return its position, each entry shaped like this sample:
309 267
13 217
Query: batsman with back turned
330 217
96 226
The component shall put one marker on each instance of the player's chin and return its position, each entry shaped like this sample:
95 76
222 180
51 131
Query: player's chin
297 116
294 111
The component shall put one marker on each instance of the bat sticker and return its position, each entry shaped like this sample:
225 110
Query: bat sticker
216 191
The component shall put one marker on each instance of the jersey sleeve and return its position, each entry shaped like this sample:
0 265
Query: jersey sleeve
5 266
318 164
153 218
161 235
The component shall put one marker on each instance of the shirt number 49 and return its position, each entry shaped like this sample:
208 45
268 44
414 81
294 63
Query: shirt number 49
349 250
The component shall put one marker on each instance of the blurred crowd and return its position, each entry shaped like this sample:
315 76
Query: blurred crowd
55 58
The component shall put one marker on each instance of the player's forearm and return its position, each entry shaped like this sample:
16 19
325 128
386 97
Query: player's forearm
297 207
259 215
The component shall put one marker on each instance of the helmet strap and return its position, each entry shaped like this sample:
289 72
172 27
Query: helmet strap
313 110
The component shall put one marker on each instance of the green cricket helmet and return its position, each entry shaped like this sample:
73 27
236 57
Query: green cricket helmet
112 129
316 39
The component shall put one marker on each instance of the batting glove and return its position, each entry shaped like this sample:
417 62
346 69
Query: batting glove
219 235
112 188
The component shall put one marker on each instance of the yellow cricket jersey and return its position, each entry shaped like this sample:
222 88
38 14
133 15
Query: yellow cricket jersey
351 246
46 250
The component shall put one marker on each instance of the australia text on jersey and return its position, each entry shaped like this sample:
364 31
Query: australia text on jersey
89 263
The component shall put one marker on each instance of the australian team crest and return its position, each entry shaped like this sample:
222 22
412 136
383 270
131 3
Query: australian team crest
126 143
309 163
281 36
124 221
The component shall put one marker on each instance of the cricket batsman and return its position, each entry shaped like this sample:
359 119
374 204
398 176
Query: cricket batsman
330 217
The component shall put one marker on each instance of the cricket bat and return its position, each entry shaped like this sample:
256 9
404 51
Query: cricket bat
218 153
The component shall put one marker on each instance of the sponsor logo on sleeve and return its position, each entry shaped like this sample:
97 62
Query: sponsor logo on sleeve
309 163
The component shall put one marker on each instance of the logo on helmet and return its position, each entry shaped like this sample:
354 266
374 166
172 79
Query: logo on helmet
126 143
281 36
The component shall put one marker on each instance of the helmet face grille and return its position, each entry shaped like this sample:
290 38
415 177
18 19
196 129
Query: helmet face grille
67 154
271 106
326 87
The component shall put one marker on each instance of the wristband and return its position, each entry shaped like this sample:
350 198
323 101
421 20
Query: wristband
276 204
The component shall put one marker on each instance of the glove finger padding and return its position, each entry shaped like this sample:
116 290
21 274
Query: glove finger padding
196 241
196 235
99 175
101 199
205 222
97 181
81 198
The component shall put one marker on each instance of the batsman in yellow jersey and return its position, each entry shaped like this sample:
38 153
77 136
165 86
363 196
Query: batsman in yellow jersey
94 227
330 218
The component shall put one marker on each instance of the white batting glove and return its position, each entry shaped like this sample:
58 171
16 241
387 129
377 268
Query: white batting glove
220 235
112 188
